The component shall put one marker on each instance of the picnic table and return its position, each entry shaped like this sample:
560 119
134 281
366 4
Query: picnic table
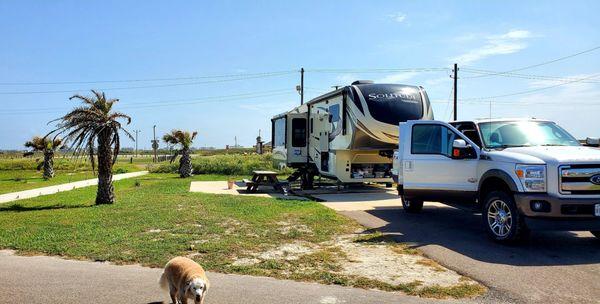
262 178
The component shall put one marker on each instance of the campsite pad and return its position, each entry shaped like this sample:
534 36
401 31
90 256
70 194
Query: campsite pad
353 198
239 188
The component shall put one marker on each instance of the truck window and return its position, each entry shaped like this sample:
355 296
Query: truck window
432 139
299 132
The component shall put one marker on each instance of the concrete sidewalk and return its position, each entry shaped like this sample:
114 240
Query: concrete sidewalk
9 197
44 279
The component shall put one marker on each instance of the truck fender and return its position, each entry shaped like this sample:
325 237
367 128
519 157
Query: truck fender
496 173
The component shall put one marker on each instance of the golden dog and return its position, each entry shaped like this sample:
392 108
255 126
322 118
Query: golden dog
185 280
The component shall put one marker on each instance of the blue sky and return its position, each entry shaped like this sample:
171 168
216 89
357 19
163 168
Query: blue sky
88 41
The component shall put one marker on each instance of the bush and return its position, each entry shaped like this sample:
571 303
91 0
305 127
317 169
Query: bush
32 163
120 171
234 164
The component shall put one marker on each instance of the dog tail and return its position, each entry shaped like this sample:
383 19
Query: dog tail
163 281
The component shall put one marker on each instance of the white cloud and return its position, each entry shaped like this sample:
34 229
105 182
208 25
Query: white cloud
507 43
398 17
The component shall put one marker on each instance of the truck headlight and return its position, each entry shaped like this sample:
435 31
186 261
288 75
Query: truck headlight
533 177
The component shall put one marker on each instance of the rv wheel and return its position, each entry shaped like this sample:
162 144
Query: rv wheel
412 205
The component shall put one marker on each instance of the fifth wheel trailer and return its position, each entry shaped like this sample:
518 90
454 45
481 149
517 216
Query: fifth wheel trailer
349 134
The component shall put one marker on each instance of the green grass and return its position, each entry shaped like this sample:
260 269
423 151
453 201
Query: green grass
157 220
20 174
231 164
19 180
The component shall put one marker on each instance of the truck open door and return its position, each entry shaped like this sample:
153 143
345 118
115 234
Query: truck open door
436 156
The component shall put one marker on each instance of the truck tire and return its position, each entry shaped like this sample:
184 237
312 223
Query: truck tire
412 205
596 233
502 219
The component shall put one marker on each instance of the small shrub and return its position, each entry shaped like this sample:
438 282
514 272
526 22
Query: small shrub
120 171
137 183
230 164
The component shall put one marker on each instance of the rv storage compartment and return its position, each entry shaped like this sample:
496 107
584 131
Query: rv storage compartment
370 170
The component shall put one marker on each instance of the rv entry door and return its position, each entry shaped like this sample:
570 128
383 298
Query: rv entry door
296 138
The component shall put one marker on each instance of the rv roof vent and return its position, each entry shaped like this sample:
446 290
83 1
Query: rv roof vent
362 82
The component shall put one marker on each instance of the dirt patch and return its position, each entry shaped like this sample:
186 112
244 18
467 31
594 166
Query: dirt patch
379 262
288 252
371 258
287 228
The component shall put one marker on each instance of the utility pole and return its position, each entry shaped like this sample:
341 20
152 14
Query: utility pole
136 141
455 91
302 86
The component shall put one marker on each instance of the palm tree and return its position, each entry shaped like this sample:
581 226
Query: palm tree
184 139
93 128
48 147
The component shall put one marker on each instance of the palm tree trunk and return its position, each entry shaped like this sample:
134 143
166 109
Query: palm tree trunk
106 190
185 163
48 164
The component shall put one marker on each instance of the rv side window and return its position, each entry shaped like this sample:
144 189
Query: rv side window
299 132
279 129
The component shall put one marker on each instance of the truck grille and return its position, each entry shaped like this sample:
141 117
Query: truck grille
577 179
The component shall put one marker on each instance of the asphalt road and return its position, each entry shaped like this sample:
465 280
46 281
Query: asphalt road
551 267
46 280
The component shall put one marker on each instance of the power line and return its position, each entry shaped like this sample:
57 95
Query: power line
526 76
148 79
540 64
375 70
148 86
164 103
529 91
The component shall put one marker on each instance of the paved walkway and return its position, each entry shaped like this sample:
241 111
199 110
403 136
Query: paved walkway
9 197
43 279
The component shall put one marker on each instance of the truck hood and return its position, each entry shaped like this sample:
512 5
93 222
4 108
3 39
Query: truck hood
548 154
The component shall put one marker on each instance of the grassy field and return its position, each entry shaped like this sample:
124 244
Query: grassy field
20 174
156 218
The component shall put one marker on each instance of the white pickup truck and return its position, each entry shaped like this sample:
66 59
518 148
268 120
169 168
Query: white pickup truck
520 174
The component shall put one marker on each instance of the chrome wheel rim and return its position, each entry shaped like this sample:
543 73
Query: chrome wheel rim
499 218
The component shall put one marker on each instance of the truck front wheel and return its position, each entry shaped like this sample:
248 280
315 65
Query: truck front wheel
411 205
501 218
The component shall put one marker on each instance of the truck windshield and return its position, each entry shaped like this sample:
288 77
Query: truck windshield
506 134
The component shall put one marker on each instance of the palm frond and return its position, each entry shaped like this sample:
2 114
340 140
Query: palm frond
87 124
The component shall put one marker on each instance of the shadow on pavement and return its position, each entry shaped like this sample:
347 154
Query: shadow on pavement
462 232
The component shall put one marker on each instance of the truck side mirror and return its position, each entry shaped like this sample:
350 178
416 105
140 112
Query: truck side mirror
461 150
592 141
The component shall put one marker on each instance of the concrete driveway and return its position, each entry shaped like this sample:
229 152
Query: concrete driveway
552 267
